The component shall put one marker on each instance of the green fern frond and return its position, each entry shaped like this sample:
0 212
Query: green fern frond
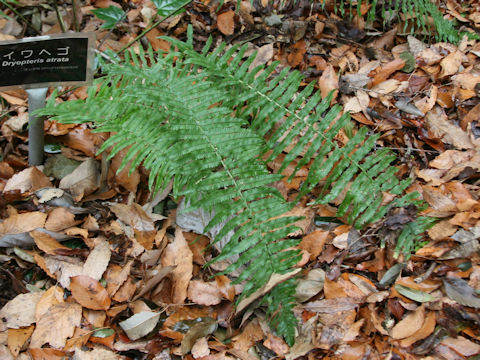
312 123
209 121
409 239
164 114
280 303
417 12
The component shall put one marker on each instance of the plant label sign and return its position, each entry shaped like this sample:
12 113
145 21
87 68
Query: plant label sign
43 61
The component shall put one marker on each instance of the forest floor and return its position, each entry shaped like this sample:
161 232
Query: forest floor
102 250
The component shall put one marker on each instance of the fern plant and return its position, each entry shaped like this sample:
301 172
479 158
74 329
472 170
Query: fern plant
417 13
212 124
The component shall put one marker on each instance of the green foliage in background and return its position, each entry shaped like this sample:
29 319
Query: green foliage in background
111 15
212 123
420 16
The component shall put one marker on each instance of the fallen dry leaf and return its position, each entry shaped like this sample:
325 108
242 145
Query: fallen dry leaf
60 219
17 338
52 296
63 268
57 325
178 254
89 293
384 72
46 242
328 82
47 354
20 223
426 330
98 259
409 325
30 179
204 293
96 354
126 291
116 275
140 324
450 133
83 181
123 181
226 22
249 336
20 311
276 344
200 348
201 329
451 63
462 345
137 218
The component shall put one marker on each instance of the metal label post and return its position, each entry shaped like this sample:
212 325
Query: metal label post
36 100
35 64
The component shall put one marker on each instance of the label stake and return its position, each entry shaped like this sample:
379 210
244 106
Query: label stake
37 63
36 100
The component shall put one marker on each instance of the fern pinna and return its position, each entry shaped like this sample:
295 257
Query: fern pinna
209 122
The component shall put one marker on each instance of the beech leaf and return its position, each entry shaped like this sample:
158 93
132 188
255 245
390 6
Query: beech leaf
140 324
89 293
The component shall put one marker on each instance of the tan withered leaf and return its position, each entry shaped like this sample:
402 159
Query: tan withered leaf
79 338
200 348
89 293
137 218
386 70
226 289
451 63
45 242
17 338
20 311
462 345
63 268
116 276
52 296
313 242
30 179
19 223
328 82
96 354
47 354
160 273
450 133
98 259
123 181
60 219
203 328
83 139
276 344
409 325
95 317
250 335
426 329
57 325
204 293
126 291
226 22
83 181
179 254
458 289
